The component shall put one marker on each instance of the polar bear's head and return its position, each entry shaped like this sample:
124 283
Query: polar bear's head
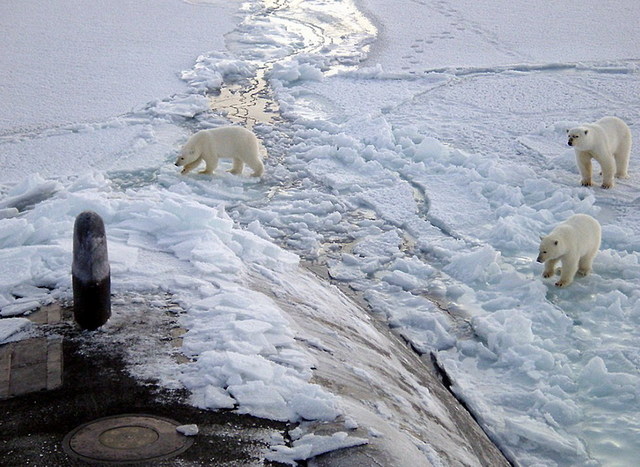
579 137
186 156
551 247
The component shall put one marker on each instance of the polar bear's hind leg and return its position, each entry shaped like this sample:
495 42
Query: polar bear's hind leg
585 265
257 166
238 165
622 159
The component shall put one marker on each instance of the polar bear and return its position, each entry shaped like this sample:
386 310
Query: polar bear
229 142
609 142
575 242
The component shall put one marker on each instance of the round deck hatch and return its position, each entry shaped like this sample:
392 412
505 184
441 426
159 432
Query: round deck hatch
123 439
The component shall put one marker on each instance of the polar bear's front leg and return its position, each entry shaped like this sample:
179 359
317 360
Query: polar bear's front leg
210 167
608 166
583 160
189 167
549 268
569 269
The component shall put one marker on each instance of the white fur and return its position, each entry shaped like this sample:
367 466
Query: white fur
575 242
229 142
609 142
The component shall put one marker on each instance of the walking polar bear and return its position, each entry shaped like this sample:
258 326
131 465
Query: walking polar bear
575 242
229 142
609 142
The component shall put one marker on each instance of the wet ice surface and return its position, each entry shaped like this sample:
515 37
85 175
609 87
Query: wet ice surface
421 177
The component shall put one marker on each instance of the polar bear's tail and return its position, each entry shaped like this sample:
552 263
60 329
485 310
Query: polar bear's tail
262 151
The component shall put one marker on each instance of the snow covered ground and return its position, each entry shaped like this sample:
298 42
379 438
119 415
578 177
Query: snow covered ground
419 153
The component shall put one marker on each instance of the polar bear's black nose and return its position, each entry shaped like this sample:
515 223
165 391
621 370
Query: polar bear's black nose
570 142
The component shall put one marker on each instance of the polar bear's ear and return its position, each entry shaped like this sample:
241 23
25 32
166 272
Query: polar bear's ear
567 130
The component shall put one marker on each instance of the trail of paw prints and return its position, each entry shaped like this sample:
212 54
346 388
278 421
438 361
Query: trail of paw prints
459 24
412 58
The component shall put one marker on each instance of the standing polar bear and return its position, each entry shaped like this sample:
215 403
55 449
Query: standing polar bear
609 142
229 142
575 242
